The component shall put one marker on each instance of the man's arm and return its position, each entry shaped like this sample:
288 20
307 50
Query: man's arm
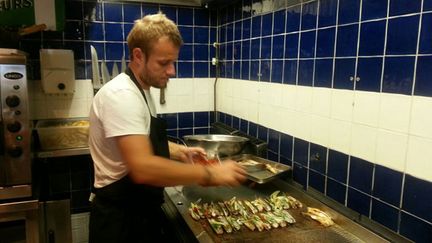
147 168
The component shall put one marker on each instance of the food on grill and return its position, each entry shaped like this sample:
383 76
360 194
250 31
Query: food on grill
283 201
255 165
319 216
216 226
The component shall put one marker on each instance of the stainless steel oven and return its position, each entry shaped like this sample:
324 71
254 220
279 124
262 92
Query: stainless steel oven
15 161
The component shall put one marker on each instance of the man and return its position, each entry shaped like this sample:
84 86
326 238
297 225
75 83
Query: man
132 159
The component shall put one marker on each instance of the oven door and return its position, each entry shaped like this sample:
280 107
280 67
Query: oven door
19 221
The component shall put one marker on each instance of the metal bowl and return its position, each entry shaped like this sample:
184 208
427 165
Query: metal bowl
223 145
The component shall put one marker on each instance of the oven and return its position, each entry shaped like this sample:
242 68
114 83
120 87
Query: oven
15 161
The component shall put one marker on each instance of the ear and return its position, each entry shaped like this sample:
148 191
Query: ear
138 55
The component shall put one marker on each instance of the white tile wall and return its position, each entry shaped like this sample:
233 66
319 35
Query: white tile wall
388 129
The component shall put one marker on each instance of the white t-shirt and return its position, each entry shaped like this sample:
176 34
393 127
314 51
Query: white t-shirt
118 109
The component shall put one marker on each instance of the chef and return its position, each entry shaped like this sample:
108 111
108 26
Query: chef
132 158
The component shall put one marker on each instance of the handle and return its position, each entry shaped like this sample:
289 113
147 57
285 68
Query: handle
162 96
32 29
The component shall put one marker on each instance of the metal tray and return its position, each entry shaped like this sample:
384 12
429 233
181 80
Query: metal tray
260 174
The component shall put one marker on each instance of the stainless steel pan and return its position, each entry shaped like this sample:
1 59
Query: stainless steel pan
222 145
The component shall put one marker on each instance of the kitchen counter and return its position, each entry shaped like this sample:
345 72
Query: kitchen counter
178 200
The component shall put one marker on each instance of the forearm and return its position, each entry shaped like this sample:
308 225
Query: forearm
175 150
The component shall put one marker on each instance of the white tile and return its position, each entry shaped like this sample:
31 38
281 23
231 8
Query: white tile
320 130
288 119
289 96
302 127
363 142
421 117
391 149
342 104
203 86
340 136
185 103
303 99
321 101
270 94
366 108
395 112
252 111
419 157
202 103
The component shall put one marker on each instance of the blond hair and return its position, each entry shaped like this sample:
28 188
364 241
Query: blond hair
151 28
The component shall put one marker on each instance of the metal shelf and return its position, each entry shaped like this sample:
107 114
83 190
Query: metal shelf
63 152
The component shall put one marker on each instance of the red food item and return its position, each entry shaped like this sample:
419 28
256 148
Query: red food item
199 159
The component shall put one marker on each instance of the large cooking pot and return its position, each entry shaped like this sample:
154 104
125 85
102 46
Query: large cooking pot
223 145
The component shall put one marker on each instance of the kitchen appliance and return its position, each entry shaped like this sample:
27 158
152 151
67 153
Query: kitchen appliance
15 161
57 71
224 145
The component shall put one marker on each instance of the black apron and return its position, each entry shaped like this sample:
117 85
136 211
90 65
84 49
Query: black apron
127 212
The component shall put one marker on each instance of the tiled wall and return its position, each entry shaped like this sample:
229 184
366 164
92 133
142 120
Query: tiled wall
341 91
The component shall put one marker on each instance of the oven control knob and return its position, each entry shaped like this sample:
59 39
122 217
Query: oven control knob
14 127
12 101
15 152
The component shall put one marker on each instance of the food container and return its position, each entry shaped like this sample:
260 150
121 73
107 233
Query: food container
223 145
63 133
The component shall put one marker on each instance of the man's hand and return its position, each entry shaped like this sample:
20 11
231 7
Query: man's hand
183 153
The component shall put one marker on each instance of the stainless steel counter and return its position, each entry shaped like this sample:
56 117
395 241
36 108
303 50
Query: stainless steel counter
178 200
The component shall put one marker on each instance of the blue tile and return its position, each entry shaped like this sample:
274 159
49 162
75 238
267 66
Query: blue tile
186 52
325 42
360 175
262 133
369 72
305 73
399 7
385 214
201 52
238 11
285 161
236 70
398 75
228 69
318 158
185 69
291 45
126 29
237 50
201 35
222 34
185 16
246 30
229 51
278 47
337 166
348 11
265 70
75 10
415 229
245 70
327 13
173 133
347 40
201 69
98 46
202 17
113 32
212 35
201 119
276 71
186 34
309 15
113 12
132 12
417 197
230 32
185 132
427 5
293 18
149 9
290 72
372 38
253 129
374 9
236 122
358 201
255 48
267 26
316 181
387 185
113 51
230 13
254 70
266 47
423 86
336 191
74 30
272 156
301 151
185 119
300 174
256 26
426 34
238 31
279 22
221 117
200 131
170 12
344 70
77 48
402 35
273 137
286 146
171 119
307 44
94 31
323 73
244 124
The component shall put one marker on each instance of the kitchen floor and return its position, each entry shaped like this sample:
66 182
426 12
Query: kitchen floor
80 222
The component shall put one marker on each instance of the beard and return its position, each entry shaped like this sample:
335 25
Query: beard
151 80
